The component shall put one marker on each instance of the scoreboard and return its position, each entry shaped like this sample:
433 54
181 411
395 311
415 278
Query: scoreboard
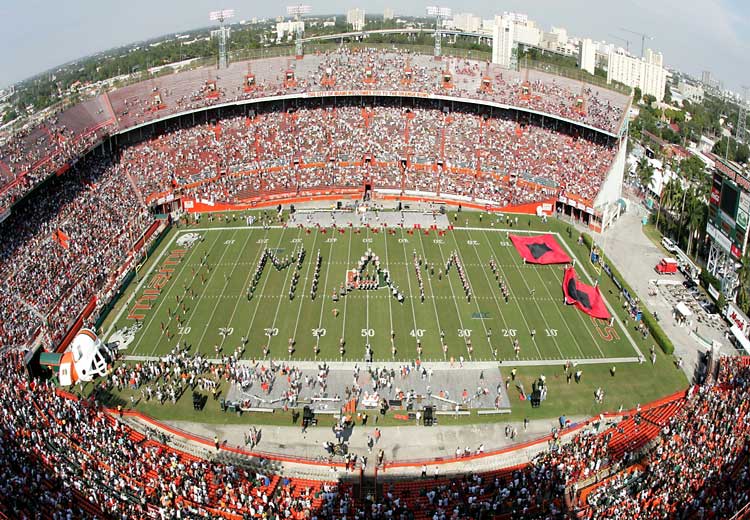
729 209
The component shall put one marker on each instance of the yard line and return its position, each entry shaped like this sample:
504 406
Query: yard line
411 295
323 295
245 285
284 288
265 281
528 289
495 298
434 305
515 300
367 304
390 308
606 302
154 264
585 325
346 294
208 283
455 302
473 296
304 288
165 297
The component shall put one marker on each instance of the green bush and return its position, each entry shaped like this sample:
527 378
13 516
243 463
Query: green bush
654 328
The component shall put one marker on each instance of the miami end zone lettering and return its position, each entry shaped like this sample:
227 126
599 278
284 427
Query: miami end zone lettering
606 332
155 285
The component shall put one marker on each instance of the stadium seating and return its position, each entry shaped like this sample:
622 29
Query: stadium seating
113 470
33 154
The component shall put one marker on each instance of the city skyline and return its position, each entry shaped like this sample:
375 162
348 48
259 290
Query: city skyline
61 33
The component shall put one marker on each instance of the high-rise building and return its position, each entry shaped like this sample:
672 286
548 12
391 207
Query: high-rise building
587 55
467 22
356 18
388 14
646 73
502 42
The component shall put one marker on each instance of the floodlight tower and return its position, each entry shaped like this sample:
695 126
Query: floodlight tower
220 16
297 11
440 14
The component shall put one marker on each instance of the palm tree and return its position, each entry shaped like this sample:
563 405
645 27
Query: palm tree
743 291
697 213
645 173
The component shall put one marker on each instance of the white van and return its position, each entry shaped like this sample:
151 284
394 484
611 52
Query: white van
669 245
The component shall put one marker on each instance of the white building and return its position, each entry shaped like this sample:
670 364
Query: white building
467 22
525 31
388 14
288 28
502 42
693 92
356 18
587 55
646 73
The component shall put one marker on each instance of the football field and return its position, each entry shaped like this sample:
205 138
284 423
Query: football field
195 290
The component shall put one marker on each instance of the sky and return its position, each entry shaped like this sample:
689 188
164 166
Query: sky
693 35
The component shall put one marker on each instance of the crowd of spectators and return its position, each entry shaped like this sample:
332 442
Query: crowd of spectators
62 245
66 458
38 151
460 154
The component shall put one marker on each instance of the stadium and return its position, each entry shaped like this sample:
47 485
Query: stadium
351 283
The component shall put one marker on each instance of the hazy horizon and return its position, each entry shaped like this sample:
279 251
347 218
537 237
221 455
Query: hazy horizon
693 35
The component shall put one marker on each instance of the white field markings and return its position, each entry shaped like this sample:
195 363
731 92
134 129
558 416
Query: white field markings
467 340
324 285
206 286
586 326
390 305
606 302
536 303
166 296
244 285
155 262
495 297
262 289
507 281
367 302
474 296
346 297
429 281
310 260
284 289
412 296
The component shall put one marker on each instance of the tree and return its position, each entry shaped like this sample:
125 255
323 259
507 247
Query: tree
636 95
667 94
737 152
743 291
645 172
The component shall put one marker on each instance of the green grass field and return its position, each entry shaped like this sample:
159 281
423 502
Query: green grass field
211 299
223 303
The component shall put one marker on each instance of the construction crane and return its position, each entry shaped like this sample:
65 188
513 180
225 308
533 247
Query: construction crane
643 36
627 42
